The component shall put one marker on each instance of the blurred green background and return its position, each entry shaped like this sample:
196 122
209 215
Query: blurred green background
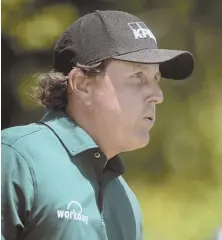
177 177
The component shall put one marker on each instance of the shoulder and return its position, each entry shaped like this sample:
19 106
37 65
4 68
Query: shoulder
11 136
23 139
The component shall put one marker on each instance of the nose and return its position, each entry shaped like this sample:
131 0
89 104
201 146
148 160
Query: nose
157 95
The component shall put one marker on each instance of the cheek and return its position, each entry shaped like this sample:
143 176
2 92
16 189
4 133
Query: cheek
132 102
106 102
114 104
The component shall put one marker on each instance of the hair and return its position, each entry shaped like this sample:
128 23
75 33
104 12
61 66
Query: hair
51 89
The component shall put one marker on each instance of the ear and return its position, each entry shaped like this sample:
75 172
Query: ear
79 84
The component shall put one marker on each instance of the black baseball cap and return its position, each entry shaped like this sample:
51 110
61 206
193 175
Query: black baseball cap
117 35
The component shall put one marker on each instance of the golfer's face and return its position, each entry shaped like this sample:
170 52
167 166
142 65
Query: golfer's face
129 95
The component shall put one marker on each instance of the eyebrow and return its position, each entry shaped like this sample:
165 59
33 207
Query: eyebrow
145 67
141 66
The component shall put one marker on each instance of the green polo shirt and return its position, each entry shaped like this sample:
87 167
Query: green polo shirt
58 185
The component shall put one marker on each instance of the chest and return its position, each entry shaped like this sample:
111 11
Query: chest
121 212
71 209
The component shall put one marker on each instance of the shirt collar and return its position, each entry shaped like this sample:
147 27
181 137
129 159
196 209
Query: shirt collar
77 141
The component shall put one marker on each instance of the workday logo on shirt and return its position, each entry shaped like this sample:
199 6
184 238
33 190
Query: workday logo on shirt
73 212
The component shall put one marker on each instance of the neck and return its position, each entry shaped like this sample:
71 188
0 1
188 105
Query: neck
96 133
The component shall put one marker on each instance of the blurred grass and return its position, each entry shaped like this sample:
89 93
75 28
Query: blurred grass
187 210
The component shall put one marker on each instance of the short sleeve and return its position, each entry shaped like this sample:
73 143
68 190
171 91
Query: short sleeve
17 193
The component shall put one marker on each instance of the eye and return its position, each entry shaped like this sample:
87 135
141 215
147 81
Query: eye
140 76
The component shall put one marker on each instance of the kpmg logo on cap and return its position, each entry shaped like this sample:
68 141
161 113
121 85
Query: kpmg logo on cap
140 30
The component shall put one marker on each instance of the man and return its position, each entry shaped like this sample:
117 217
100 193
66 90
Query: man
61 176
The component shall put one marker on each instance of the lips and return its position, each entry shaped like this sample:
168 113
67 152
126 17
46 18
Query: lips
149 118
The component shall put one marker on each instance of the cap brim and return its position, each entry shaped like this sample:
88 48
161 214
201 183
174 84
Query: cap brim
173 64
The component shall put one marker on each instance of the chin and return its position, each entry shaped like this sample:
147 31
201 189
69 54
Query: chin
143 144
140 143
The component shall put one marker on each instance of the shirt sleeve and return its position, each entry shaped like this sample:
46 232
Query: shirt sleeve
17 193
